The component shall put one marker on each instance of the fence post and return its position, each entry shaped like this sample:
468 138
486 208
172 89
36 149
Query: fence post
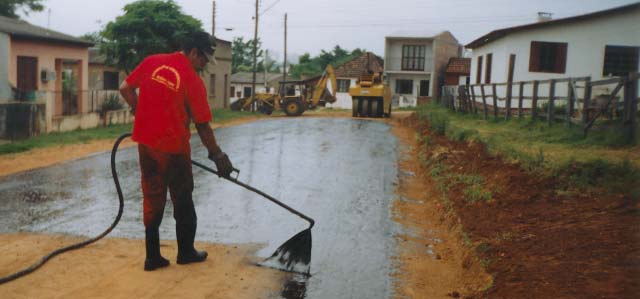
520 95
507 115
630 108
552 99
462 105
445 96
473 100
534 100
495 101
570 100
587 101
467 89
484 101
452 99
455 94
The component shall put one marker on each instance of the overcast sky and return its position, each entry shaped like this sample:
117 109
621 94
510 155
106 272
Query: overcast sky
321 24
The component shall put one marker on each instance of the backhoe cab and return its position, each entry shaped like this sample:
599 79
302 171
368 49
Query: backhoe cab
310 97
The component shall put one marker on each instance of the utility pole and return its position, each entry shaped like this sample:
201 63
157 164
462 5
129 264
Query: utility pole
255 58
213 19
264 64
284 66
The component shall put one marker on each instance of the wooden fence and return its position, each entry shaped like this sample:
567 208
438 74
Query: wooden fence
543 99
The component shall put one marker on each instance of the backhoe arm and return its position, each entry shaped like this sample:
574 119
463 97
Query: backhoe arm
327 75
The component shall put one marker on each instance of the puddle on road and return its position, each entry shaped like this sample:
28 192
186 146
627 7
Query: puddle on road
341 172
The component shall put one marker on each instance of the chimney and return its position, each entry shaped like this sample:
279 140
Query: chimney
544 16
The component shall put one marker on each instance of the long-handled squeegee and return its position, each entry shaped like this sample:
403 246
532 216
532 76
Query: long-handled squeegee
294 255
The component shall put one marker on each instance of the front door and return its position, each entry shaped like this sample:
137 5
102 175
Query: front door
27 77
247 92
424 88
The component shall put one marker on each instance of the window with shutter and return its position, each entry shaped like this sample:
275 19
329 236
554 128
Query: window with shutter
404 86
548 57
487 74
343 85
479 70
620 60
413 57
110 80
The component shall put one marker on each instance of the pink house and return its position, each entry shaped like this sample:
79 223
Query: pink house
44 68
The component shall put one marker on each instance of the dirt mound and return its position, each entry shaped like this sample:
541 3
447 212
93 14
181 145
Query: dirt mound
536 241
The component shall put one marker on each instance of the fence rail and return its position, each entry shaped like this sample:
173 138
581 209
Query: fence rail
576 100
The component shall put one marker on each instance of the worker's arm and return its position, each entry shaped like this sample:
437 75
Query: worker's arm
215 153
129 94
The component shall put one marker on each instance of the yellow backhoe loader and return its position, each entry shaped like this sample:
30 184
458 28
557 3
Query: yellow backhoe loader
370 96
293 105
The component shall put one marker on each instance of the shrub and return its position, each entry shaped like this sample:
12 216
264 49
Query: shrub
111 102
557 109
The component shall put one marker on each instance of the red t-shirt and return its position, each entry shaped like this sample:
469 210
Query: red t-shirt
171 93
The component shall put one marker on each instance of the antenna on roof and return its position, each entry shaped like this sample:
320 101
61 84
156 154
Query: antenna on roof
48 18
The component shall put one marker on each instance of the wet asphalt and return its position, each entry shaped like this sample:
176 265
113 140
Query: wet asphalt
341 172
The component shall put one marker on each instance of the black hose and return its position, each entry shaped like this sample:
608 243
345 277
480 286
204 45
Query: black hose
47 257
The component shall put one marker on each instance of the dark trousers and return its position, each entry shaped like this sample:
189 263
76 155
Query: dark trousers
161 171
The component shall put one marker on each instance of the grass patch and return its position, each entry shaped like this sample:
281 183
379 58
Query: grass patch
72 137
100 133
411 108
600 159
224 115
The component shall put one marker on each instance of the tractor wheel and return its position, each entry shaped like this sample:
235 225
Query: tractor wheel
266 109
364 108
237 104
354 107
374 108
292 107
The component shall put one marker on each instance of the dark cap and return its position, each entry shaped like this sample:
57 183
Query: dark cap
204 42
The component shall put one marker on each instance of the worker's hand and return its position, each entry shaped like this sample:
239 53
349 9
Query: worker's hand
222 163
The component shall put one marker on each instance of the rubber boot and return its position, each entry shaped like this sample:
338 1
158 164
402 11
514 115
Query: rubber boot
153 260
186 233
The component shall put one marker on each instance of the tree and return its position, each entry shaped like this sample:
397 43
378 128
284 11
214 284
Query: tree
93 37
8 7
242 55
310 66
147 27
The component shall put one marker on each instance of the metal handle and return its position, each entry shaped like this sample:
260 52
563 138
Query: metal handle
267 196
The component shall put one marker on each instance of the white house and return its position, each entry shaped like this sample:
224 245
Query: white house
241 84
414 65
348 73
599 44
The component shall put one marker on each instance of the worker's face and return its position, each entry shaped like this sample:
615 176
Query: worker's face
198 59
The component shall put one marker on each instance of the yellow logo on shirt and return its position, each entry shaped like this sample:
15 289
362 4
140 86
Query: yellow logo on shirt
167 76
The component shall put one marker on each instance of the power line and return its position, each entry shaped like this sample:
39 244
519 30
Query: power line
395 23
270 6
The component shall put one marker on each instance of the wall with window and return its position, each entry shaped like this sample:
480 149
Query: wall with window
411 54
217 77
564 50
343 99
50 57
243 90
103 77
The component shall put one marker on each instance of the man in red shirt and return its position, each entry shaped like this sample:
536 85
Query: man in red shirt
171 94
